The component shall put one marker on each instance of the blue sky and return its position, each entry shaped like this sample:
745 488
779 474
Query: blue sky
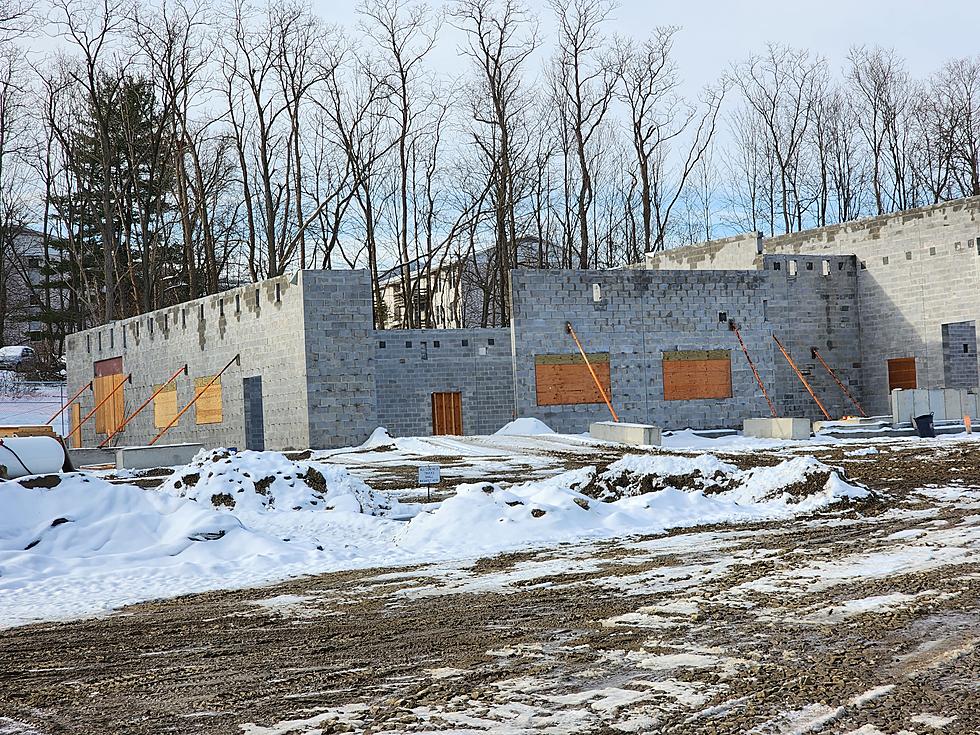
717 32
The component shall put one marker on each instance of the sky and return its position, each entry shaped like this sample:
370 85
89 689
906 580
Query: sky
715 33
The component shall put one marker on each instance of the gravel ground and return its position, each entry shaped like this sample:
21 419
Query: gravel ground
863 619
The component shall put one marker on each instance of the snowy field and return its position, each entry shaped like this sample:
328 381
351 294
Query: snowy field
552 583
85 543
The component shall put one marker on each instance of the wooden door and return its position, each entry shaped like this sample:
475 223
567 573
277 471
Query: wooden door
447 413
108 375
901 373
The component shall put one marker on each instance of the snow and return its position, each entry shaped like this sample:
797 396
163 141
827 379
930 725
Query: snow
231 520
487 517
525 427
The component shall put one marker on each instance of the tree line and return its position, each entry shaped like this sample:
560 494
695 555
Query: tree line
170 150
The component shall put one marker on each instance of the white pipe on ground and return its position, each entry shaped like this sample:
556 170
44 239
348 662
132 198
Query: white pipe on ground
30 455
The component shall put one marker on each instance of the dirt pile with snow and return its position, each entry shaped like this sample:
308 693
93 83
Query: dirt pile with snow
790 481
645 493
267 481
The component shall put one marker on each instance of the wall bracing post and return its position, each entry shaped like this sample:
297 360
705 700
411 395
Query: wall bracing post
142 406
165 429
70 401
91 413
801 376
738 335
816 353
602 391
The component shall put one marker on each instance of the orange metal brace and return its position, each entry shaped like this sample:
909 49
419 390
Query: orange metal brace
89 415
738 335
816 354
165 429
144 405
800 376
602 392
70 400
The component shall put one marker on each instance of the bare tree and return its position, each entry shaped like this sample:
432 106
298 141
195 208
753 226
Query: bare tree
779 86
499 40
584 78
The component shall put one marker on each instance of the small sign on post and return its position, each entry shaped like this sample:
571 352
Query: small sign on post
429 475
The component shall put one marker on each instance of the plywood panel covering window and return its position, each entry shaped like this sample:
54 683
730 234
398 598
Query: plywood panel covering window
165 405
901 373
208 405
109 415
562 380
692 374
447 414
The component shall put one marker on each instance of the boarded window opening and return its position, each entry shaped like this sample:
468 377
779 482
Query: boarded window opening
695 374
208 404
792 269
447 413
165 405
901 373
562 380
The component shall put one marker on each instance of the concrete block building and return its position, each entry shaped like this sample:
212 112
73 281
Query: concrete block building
294 362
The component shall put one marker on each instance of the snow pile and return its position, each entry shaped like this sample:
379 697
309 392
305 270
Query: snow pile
87 523
638 493
379 439
641 474
524 427
252 482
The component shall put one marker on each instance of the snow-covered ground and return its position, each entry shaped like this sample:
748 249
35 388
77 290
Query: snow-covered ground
79 544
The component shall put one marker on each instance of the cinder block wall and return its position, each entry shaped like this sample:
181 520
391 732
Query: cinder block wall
262 322
817 307
413 364
917 270
339 362
639 316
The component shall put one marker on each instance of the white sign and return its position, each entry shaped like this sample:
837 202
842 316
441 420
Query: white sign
429 474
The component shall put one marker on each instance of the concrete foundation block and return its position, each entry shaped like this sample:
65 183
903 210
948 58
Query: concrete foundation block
167 455
85 456
635 434
777 428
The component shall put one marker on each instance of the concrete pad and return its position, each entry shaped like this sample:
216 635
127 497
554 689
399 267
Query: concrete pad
84 456
776 428
635 434
164 455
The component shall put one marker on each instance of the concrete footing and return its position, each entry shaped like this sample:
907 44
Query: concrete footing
166 455
777 428
85 456
635 434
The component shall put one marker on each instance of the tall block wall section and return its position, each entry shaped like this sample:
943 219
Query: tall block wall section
261 322
638 316
413 364
813 303
338 329
917 271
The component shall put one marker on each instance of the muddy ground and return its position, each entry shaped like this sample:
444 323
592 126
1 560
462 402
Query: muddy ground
862 619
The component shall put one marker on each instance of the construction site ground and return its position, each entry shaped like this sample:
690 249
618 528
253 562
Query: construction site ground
859 619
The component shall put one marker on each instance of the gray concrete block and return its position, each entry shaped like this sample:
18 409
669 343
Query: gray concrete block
625 433
159 455
779 428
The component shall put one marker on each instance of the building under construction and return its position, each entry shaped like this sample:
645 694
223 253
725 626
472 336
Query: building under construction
817 324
